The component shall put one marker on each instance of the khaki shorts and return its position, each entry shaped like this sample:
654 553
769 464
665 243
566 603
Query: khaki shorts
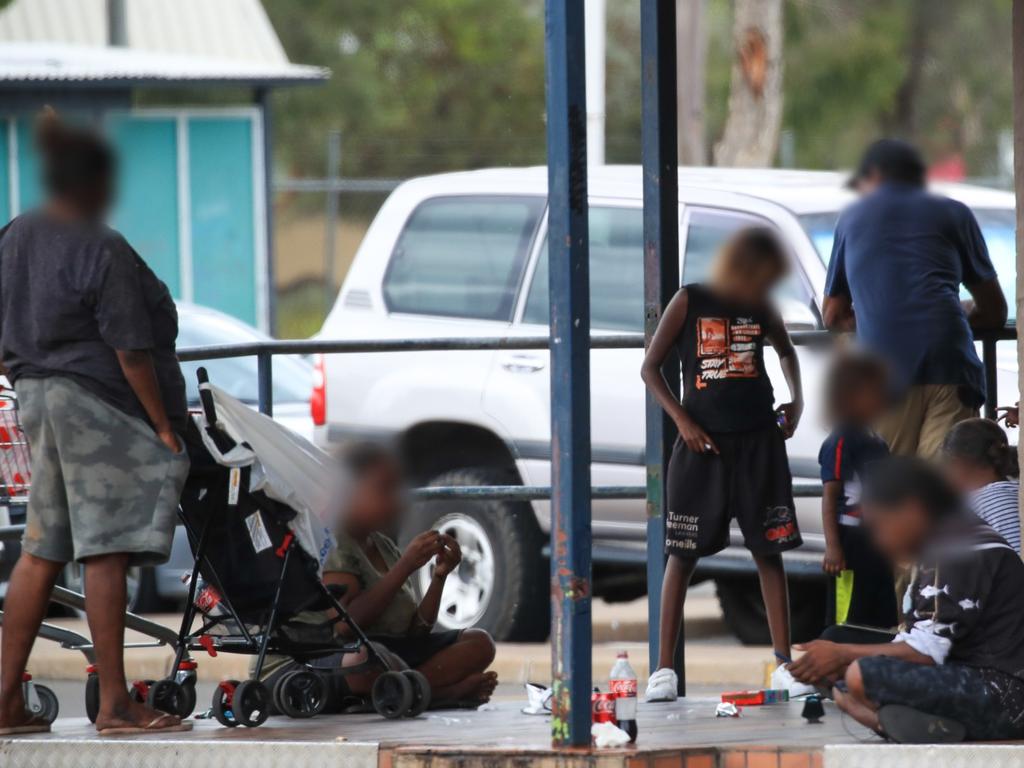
920 422
102 481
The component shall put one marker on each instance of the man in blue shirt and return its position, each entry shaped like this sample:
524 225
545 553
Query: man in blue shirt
899 258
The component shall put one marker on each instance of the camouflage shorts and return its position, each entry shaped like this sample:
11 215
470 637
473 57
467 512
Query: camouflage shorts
102 481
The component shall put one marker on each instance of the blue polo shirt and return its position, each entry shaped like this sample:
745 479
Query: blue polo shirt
901 254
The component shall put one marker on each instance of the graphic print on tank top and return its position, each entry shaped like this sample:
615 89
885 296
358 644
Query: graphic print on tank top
727 350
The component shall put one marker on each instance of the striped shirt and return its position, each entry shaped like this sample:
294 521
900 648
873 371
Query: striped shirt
997 504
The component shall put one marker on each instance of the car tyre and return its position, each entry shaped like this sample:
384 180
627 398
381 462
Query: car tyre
502 584
744 614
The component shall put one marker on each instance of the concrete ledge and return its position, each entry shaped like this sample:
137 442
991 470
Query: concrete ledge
914 756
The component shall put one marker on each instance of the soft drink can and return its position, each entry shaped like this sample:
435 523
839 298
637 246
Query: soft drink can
602 706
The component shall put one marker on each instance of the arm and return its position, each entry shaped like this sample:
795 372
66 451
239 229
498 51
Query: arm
838 314
834 562
447 561
986 309
137 366
778 337
825 660
671 323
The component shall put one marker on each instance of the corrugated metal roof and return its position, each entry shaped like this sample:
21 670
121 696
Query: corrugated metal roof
33 63
228 29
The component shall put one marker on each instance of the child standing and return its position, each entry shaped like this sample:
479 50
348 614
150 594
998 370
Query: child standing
982 465
862 591
730 458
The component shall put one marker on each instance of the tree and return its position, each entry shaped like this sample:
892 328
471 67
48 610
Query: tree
691 64
751 132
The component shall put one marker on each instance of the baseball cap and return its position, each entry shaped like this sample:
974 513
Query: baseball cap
895 159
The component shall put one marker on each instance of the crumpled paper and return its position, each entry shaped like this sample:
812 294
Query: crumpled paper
538 700
608 735
727 709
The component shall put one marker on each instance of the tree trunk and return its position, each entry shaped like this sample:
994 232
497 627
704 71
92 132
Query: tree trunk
751 133
691 66
1018 183
903 119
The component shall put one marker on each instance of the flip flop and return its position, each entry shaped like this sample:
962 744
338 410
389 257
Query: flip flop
906 725
32 725
153 727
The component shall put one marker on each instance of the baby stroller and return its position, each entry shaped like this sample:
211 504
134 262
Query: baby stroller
255 508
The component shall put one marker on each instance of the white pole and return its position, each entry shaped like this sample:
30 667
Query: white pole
594 21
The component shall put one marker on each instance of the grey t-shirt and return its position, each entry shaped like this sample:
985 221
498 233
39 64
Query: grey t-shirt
71 294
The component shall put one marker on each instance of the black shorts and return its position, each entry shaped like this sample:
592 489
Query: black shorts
748 480
416 650
872 600
988 703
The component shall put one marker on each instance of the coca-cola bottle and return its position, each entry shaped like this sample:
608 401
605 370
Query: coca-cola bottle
622 683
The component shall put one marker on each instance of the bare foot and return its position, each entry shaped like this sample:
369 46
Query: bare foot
485 689
131 714
472 691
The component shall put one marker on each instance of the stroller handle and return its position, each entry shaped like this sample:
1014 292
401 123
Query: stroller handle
205 397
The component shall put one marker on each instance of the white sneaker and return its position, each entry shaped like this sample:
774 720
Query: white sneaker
662 686
783 679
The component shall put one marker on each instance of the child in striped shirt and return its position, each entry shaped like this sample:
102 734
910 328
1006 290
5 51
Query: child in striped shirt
983 465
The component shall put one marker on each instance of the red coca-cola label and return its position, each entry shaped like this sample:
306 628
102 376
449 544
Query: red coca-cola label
622 687
603 707
208 599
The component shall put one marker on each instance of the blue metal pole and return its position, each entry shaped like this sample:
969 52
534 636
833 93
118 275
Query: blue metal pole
661 275
265 382
569 282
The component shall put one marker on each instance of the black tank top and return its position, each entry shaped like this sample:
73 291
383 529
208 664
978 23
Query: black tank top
721 348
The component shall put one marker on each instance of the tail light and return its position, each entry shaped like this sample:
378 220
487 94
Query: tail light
318 401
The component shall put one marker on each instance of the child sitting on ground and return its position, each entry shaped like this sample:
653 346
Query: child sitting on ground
982 465
380 596
730 459
862 589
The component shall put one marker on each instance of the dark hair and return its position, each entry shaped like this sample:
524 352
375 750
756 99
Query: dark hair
752 247
982 443
367 455
77 163
894 160
899 479
849 371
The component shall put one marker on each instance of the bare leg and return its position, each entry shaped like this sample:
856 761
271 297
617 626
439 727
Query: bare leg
28 594
475 689
471 654
776 600
105 601
678 571
855 702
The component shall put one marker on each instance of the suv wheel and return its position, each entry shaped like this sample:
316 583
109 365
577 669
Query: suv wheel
501 583
743 609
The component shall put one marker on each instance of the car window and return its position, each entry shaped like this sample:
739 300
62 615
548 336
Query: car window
616 273
706 232
462 257
293 379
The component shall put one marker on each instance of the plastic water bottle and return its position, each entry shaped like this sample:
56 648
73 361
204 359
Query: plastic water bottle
622 683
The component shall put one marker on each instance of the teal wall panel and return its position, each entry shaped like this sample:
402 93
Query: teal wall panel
30 190
5 174
221 196
147 209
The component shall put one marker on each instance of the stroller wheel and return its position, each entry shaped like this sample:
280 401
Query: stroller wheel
50 705
420 692
223 703
170 697
392 695
251 704
92 696
139 690
300 694
188 699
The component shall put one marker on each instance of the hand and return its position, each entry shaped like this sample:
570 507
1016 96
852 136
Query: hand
822 660
448 559
834 562
420 550
791 413
696 439
170 438
1009 416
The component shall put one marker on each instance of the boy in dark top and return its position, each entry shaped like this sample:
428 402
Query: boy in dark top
955 670
862 591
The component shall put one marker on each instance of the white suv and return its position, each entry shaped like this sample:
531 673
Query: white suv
465 254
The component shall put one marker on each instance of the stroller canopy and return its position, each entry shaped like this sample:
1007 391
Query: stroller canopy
286 467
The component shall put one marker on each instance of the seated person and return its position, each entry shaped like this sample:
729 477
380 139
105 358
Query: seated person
862 591
954 671
982 465
380 595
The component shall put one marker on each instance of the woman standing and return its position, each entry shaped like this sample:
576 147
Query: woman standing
87 335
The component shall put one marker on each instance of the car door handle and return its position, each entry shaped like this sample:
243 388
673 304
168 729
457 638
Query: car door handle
523 364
